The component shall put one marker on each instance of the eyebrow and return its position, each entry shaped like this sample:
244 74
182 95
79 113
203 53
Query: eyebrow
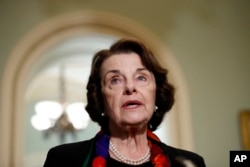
119 72
112 71
141 69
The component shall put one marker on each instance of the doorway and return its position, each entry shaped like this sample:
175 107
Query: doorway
32 56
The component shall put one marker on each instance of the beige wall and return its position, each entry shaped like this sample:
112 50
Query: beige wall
209 39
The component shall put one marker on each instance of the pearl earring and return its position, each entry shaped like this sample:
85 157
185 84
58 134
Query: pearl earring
156 108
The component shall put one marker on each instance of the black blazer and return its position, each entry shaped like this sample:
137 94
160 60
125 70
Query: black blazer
74 154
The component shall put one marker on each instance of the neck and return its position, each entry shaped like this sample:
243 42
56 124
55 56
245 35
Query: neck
130 142
125 130
155 154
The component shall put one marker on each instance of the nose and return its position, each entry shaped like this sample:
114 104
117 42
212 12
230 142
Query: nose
129 91
129 88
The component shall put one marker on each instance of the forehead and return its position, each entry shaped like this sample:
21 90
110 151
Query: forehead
122 60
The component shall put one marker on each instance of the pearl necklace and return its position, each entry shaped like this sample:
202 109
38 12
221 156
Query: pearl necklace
126 160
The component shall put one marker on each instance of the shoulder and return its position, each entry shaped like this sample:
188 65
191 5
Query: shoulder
78 146
71 154
182 157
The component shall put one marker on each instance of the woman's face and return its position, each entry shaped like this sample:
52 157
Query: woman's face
129 90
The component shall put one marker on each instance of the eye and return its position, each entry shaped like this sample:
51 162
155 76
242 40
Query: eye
115 80
141 78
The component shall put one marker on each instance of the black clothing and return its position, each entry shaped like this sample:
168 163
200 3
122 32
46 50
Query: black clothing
115 163
75 154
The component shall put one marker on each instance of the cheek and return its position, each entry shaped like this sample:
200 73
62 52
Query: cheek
111 99
151 94
151 97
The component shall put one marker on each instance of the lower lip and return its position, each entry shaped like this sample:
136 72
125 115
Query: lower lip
131 107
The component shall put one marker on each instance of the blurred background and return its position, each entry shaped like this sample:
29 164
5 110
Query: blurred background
46 48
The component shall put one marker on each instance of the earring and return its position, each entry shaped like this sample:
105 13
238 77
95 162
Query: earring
156 108
102 114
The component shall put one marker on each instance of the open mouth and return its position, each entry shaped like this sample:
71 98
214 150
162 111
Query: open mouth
131 104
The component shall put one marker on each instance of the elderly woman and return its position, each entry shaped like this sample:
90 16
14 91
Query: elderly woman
128 95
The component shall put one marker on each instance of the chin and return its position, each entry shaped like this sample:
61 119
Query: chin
134 123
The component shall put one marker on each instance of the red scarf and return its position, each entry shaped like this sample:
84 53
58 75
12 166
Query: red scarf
158 158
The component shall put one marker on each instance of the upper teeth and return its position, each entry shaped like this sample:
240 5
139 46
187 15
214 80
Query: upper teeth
131 105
